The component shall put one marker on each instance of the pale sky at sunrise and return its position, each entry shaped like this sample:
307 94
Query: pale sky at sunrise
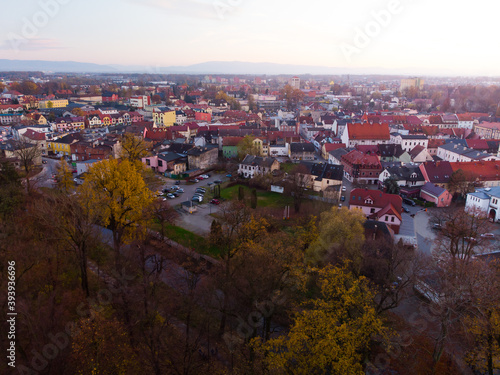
420 36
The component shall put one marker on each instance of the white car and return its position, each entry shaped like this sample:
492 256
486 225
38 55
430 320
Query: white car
205 176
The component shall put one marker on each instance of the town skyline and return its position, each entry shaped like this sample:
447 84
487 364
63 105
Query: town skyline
365 36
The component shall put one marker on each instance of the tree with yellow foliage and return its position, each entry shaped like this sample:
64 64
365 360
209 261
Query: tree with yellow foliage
341 236
332 334
117 191
134 148
64 177
101 346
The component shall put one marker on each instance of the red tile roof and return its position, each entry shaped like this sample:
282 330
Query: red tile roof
483 170
333 146
390 204
369 131
35 136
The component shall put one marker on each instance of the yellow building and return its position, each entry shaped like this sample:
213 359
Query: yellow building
166 118
63 145
54 103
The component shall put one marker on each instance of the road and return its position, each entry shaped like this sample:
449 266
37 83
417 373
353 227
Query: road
44 178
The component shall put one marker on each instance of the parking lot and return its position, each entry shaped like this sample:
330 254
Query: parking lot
200 221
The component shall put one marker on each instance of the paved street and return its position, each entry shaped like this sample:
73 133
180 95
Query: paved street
44 178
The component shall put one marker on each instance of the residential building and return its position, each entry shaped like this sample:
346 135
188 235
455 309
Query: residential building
378 206
437 172
362 168
435 194
202 157
488 130
366 134
484 201
321 176
53 103
255 165
408 142
301 151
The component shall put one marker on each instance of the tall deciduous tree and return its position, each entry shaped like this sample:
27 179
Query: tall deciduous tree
117 191
341 235
332 334
101 347
29 154
134 148
461 183
247 147
64 177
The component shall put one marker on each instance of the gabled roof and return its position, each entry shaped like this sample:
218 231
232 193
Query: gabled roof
231 141
322 170
437 172
483 170
333 146
390 150
389 203
258 161
406 172
33 135
356 157
416 151
368 131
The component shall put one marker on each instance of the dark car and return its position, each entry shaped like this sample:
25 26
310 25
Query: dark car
409 202
177 182
405 209
217 182
342 198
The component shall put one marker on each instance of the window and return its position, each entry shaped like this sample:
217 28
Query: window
392 219
386 218
372 210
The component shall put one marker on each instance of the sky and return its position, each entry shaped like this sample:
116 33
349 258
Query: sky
404 36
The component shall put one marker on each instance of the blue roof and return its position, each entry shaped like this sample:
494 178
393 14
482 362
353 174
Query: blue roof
432 189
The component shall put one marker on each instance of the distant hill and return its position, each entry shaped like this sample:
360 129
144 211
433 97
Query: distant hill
211 67
53 66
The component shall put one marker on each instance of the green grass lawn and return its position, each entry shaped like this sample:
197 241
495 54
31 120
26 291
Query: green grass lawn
264 198
187 239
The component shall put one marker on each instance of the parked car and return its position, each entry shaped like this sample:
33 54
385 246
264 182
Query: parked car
44 161
170 196
405 209
229 175
344 188
487 235
217 182
215 201
210 183
197 199
342 198
181 190
194 180
205 176
177 182
201 189
437 226
409 201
